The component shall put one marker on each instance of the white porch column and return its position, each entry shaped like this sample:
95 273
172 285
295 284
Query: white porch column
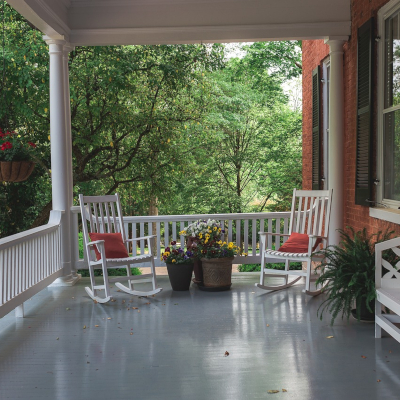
61 178
74 244
336 133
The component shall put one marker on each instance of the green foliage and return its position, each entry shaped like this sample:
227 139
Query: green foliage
111 272
180 127
257 267
348 272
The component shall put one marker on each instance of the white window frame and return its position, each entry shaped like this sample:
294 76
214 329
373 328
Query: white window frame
385 12
326 64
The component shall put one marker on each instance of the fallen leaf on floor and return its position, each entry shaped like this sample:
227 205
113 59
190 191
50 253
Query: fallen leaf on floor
96 326
123 301
363 357
95 301
108 318
267 324
131 333
378 380
273 391
153 295
390 351
118 290
87 362
226 354
329 337
163 304
67 309
128 309
57 338
135 308
119 327
284 390
113 300
138 310
147 303
84 326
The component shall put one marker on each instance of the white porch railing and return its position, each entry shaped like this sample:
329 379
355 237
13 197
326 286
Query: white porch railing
241 229
29 261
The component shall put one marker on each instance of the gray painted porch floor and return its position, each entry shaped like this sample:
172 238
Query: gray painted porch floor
275 341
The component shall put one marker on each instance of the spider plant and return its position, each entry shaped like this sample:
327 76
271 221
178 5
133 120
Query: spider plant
348 273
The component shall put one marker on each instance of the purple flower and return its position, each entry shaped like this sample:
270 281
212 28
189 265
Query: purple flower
180 250
173 243
223 230
189 253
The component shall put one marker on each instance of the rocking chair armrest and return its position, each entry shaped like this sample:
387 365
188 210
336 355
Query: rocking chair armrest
140 238
318 237
274 234
95 243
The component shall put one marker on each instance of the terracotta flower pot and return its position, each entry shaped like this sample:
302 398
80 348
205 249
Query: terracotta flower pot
217 272
180 276
15 171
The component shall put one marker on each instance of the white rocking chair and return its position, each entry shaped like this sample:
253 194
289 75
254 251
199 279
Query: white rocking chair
311 218
98 214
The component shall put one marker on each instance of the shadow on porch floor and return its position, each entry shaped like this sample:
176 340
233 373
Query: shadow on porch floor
172 346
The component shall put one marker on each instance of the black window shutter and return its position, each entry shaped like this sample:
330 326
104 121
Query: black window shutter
316 170
363 190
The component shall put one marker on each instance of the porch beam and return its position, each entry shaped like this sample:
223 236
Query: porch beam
61 150
336 133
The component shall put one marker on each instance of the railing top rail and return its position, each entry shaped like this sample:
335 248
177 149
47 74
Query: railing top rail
192 217
387 244
52 225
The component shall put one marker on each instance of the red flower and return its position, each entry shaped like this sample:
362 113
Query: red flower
32 144
6 146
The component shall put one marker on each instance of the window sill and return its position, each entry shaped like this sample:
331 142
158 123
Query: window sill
386 214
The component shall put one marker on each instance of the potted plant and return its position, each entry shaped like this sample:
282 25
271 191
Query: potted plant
194 233
15 157
216 256
348 274
179 265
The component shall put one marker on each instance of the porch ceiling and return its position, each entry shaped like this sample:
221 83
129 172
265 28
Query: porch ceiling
112 22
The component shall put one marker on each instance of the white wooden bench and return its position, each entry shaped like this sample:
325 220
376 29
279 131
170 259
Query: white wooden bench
387 290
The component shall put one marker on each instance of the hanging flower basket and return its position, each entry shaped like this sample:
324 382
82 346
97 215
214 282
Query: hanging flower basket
15 171
15 151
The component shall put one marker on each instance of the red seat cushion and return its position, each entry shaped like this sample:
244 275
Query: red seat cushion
298 243
113 244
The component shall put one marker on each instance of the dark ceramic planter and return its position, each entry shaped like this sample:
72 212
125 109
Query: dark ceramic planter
365 314
180 276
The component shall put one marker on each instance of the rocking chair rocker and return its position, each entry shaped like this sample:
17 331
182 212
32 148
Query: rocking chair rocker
310 220
98 214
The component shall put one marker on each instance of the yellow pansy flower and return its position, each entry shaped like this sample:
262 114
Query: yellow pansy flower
173 260
215 228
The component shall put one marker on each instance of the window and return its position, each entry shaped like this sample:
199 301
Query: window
388 171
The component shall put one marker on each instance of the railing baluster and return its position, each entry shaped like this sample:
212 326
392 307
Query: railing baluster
174 230
254 238
269 241
246 236
158 229
230 230
142 241
238 229
182 237
166 234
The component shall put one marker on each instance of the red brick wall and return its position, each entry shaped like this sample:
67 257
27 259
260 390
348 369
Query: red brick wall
313 54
